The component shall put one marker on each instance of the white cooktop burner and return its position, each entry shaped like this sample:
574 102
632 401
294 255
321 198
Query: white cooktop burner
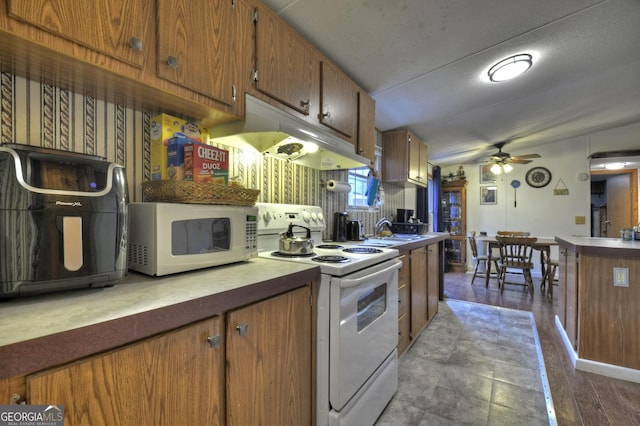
333 259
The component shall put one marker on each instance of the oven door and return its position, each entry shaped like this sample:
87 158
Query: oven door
364 327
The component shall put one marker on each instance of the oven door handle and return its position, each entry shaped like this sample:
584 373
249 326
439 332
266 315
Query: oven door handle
355 282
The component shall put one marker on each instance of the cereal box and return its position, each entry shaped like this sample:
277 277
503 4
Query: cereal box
163 128
207 164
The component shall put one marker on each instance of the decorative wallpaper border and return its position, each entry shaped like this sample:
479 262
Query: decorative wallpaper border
35 113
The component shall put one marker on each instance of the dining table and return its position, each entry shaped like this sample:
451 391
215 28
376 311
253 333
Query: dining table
542 244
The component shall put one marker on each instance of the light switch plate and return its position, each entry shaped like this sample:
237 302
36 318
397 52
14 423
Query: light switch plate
621 277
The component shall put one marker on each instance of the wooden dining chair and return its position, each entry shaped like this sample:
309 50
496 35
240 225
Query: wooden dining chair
480 259
550 267
516 254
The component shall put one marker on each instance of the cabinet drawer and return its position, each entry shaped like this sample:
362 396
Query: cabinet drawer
403 333
403 299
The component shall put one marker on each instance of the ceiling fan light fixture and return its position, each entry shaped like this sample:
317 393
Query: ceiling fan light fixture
507 168
496 169
510 67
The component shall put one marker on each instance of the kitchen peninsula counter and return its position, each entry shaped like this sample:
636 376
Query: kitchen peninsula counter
597 313
48 330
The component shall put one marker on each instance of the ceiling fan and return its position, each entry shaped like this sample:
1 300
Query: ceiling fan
502 157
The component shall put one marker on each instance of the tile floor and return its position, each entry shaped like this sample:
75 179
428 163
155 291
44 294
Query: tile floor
474 364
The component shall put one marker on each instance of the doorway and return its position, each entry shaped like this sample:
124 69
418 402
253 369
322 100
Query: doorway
614 201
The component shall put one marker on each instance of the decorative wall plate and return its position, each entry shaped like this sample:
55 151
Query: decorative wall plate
538 177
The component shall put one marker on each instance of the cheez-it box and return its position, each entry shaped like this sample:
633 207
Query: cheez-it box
206 164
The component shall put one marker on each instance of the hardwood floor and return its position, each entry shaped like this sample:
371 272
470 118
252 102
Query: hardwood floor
579 398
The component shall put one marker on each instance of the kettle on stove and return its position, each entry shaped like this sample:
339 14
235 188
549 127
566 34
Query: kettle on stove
340 226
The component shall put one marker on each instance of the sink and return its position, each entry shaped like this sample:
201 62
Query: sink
392 240
375 242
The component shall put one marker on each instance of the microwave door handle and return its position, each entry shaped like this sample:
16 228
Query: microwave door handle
355 282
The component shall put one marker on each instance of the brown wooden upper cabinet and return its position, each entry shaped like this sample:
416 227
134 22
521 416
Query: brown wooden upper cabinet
123 30
404 158
338 101
287 68
366 126
198 46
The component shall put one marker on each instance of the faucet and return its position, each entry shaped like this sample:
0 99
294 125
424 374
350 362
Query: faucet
381 224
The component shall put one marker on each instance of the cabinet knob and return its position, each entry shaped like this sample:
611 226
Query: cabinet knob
172 61
213 340
305 104
243 329
326 115
136 44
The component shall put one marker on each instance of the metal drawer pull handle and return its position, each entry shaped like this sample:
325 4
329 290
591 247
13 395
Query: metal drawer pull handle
243 329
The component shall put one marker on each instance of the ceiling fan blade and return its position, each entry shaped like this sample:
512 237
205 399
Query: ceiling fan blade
527 156
519 161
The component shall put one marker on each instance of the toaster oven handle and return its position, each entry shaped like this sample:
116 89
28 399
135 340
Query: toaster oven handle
355 282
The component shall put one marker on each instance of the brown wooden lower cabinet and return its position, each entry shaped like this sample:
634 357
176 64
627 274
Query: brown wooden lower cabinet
418 292
419 289
433 280
256 369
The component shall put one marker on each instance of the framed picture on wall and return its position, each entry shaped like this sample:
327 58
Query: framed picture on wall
486 175
488 195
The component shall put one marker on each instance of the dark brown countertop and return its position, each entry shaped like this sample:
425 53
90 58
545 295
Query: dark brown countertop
44 331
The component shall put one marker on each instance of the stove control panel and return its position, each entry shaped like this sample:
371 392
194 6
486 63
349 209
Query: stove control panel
274 218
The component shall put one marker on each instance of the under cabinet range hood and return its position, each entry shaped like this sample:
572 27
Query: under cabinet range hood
276 133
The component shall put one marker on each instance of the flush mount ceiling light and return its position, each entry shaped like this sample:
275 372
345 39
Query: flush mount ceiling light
510 67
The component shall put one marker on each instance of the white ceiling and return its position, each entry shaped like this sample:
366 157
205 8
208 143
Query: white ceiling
425 63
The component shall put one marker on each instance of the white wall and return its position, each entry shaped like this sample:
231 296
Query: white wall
538 210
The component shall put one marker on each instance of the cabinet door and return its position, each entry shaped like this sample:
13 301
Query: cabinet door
338 101
433 279
417 160
366 126
121 29
196 46
418 291
395 156
269 361
173 379
287 69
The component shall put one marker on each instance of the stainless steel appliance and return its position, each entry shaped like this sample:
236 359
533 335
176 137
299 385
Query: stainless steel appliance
166 238
63 221
357 323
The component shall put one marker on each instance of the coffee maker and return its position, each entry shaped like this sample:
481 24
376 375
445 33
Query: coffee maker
340 226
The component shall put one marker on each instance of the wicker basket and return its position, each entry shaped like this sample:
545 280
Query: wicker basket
181 191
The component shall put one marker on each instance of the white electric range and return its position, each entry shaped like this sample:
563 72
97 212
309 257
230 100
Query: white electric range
357 334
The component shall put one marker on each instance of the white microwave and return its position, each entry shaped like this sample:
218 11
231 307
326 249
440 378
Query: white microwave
166 238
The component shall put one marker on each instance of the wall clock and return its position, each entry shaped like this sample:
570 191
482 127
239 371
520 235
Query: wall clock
538 177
